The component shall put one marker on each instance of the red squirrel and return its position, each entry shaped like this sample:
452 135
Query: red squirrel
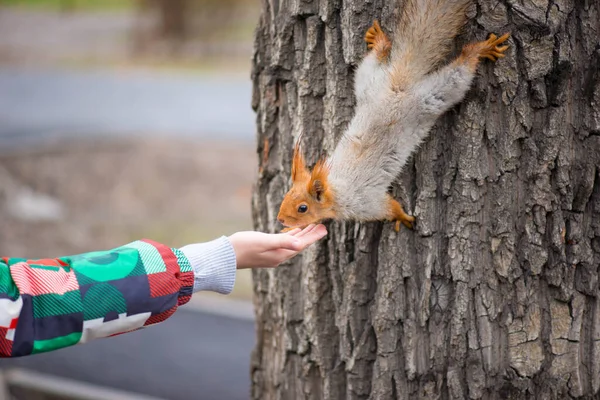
400 93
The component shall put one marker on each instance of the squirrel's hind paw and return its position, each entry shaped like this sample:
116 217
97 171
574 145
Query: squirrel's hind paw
378 41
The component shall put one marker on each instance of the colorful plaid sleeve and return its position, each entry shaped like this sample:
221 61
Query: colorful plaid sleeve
54 303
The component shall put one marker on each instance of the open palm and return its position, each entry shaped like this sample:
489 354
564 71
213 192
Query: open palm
268 250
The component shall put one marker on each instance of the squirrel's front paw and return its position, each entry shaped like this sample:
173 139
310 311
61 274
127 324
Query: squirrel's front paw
406 220
490 48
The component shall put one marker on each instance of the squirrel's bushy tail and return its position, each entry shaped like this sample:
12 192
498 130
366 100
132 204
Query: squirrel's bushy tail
423 37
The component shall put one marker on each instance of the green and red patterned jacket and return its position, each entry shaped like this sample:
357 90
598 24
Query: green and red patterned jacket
49 304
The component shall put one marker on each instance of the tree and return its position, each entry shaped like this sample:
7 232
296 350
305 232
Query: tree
495 292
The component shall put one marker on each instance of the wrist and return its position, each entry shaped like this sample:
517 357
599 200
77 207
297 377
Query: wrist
214 265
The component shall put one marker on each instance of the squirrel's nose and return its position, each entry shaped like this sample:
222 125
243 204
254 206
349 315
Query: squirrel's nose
281 220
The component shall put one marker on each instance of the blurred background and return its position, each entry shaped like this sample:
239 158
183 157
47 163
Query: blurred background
121 120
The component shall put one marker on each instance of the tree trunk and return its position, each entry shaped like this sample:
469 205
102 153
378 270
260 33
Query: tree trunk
495 293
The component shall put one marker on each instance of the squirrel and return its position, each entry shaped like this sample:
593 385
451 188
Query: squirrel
400 93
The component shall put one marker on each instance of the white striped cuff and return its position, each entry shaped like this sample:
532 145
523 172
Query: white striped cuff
214 265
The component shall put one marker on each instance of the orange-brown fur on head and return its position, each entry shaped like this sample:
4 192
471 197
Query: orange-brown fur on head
310 192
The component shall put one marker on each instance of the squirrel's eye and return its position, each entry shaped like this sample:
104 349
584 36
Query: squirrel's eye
303 208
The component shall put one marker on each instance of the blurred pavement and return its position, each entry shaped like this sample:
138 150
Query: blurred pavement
192 355
36 103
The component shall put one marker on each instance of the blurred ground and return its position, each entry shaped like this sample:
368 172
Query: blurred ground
129 119
104 185
110 192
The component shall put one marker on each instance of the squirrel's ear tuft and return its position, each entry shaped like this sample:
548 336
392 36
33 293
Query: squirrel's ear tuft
298 165
318 180
317 189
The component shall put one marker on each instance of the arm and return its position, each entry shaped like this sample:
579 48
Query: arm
53 303
49 304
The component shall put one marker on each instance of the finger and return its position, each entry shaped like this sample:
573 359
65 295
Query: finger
306 230
288 242
317 233
292 232
276 257
284 254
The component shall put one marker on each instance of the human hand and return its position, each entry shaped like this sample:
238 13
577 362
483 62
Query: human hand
268 250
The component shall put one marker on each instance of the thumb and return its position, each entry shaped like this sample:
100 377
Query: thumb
287 242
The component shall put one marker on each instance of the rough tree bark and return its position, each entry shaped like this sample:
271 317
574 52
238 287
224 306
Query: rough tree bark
495 293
